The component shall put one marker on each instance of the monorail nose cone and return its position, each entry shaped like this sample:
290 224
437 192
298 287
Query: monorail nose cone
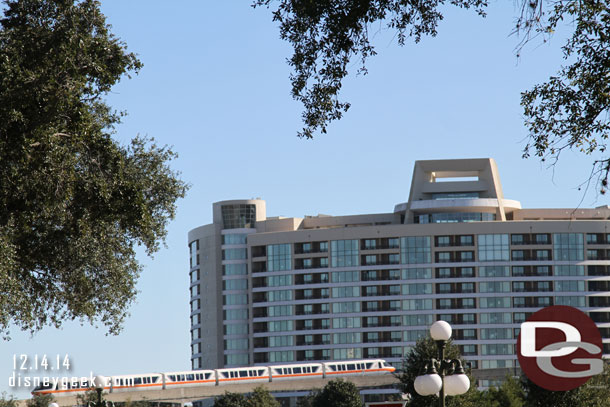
100 382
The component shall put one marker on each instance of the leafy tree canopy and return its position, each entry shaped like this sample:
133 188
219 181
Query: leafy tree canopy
40 400
7 401
413 366
569 111
594 393
230 400
337 393
74 203
260 397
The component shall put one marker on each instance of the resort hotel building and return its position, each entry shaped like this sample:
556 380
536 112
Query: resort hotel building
274 290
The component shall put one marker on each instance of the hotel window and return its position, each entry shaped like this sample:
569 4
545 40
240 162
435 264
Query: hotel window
415 249
570 270
444 272
443 241
372 306
419 319
235 254
349 322
466 256
370 244
345 276
194 249
279 295
370 260
372 321
235 314
342 292
236 329
493 247
417 274
466 272
279 311
542 239
235 299
517 239
568 246
282 356
497 349
344 253
417 305
279 326
347 337
518 255
323 247
307 263
444 288
571 301
415 289
234 269
494 287
468 318
234 239
570 285
544 301
466 240
350 353
544 286
494 302
543 254
278 257
323 262
496 318
413 336
520 317
237 284
518 286
279 281
496 333
468 303
306 248
445 303
519 302
494 271
345 307
393 258
443 257
393 243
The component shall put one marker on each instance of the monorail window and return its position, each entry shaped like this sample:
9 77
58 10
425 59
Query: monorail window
260 372
369 365
137 380
155 379
190 377
296 370
243 373
351 367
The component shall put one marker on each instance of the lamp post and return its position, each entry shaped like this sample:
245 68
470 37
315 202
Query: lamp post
441 375
99 382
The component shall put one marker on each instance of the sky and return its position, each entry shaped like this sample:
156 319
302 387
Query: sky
215 86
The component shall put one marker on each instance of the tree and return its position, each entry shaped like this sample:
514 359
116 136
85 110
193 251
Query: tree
570 111
260 397
230 400
413 366
40 400
594 393
7 401
337 393
74 203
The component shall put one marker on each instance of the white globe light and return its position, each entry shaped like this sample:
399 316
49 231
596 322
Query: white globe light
99 382
427 385
440 331
456 384
53 405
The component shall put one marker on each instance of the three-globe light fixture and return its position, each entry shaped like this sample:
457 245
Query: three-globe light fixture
442 376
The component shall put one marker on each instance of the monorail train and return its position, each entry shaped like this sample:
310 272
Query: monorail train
218 377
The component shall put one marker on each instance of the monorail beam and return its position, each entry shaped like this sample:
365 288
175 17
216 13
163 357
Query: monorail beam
187 394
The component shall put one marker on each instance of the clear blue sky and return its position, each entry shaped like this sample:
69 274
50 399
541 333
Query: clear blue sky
215 86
